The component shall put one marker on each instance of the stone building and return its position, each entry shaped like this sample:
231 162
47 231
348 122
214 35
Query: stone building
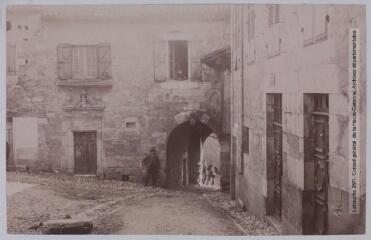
91 88
291 115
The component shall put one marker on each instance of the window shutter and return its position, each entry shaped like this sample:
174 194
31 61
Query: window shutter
277 14
104 61
320 21
159 60
64 58
196 52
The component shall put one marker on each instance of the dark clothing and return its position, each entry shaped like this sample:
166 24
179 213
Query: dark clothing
7 151
152 165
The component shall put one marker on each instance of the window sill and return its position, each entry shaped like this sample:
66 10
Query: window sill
312 41
184 84
275 54
85 83
78 108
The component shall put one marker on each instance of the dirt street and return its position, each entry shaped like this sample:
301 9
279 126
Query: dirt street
117 207
173 213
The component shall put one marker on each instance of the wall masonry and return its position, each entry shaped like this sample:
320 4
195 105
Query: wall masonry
130 95
296 69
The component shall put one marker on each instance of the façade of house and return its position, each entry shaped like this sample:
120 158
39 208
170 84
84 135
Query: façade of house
91 88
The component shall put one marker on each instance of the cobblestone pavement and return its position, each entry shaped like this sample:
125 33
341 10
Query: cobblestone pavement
125 208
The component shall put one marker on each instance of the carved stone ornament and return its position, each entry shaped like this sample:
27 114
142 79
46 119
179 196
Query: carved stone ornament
83 102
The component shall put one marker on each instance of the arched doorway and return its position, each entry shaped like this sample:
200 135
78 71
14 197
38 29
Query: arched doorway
184 153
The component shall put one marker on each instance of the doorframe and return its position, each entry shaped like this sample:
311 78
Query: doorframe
73 148
69 161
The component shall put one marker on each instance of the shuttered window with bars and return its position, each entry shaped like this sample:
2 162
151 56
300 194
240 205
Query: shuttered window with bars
84 61
274 40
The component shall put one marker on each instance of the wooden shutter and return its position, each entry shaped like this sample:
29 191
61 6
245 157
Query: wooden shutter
78 62
196 52
64 58
159 60
104 61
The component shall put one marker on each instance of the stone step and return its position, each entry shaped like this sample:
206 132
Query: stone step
67 226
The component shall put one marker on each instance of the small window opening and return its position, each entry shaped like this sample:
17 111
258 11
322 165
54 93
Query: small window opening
131 125
178 60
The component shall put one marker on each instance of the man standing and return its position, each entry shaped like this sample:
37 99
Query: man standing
151 164
7 153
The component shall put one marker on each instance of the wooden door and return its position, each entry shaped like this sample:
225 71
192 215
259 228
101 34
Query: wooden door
85 151
321 176
277 157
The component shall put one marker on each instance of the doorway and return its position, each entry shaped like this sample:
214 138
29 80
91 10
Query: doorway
85 152
316 171
274 154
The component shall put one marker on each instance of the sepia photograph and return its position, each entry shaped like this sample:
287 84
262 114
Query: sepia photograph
180 119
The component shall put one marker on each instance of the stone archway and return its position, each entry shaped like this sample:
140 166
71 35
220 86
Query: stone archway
191 130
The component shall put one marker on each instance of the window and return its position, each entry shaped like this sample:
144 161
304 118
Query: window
178 60
84 61
314 22
10 60
274 40
273 14
245 140
131 125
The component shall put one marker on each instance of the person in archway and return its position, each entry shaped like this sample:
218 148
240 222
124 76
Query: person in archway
204 172
151 164
211 173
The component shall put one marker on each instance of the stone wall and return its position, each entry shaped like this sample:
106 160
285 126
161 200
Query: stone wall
276 60
131 95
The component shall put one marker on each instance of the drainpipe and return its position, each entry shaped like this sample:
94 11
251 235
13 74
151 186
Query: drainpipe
242 85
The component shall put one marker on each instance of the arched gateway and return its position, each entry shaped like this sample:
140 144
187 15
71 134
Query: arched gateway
184 146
